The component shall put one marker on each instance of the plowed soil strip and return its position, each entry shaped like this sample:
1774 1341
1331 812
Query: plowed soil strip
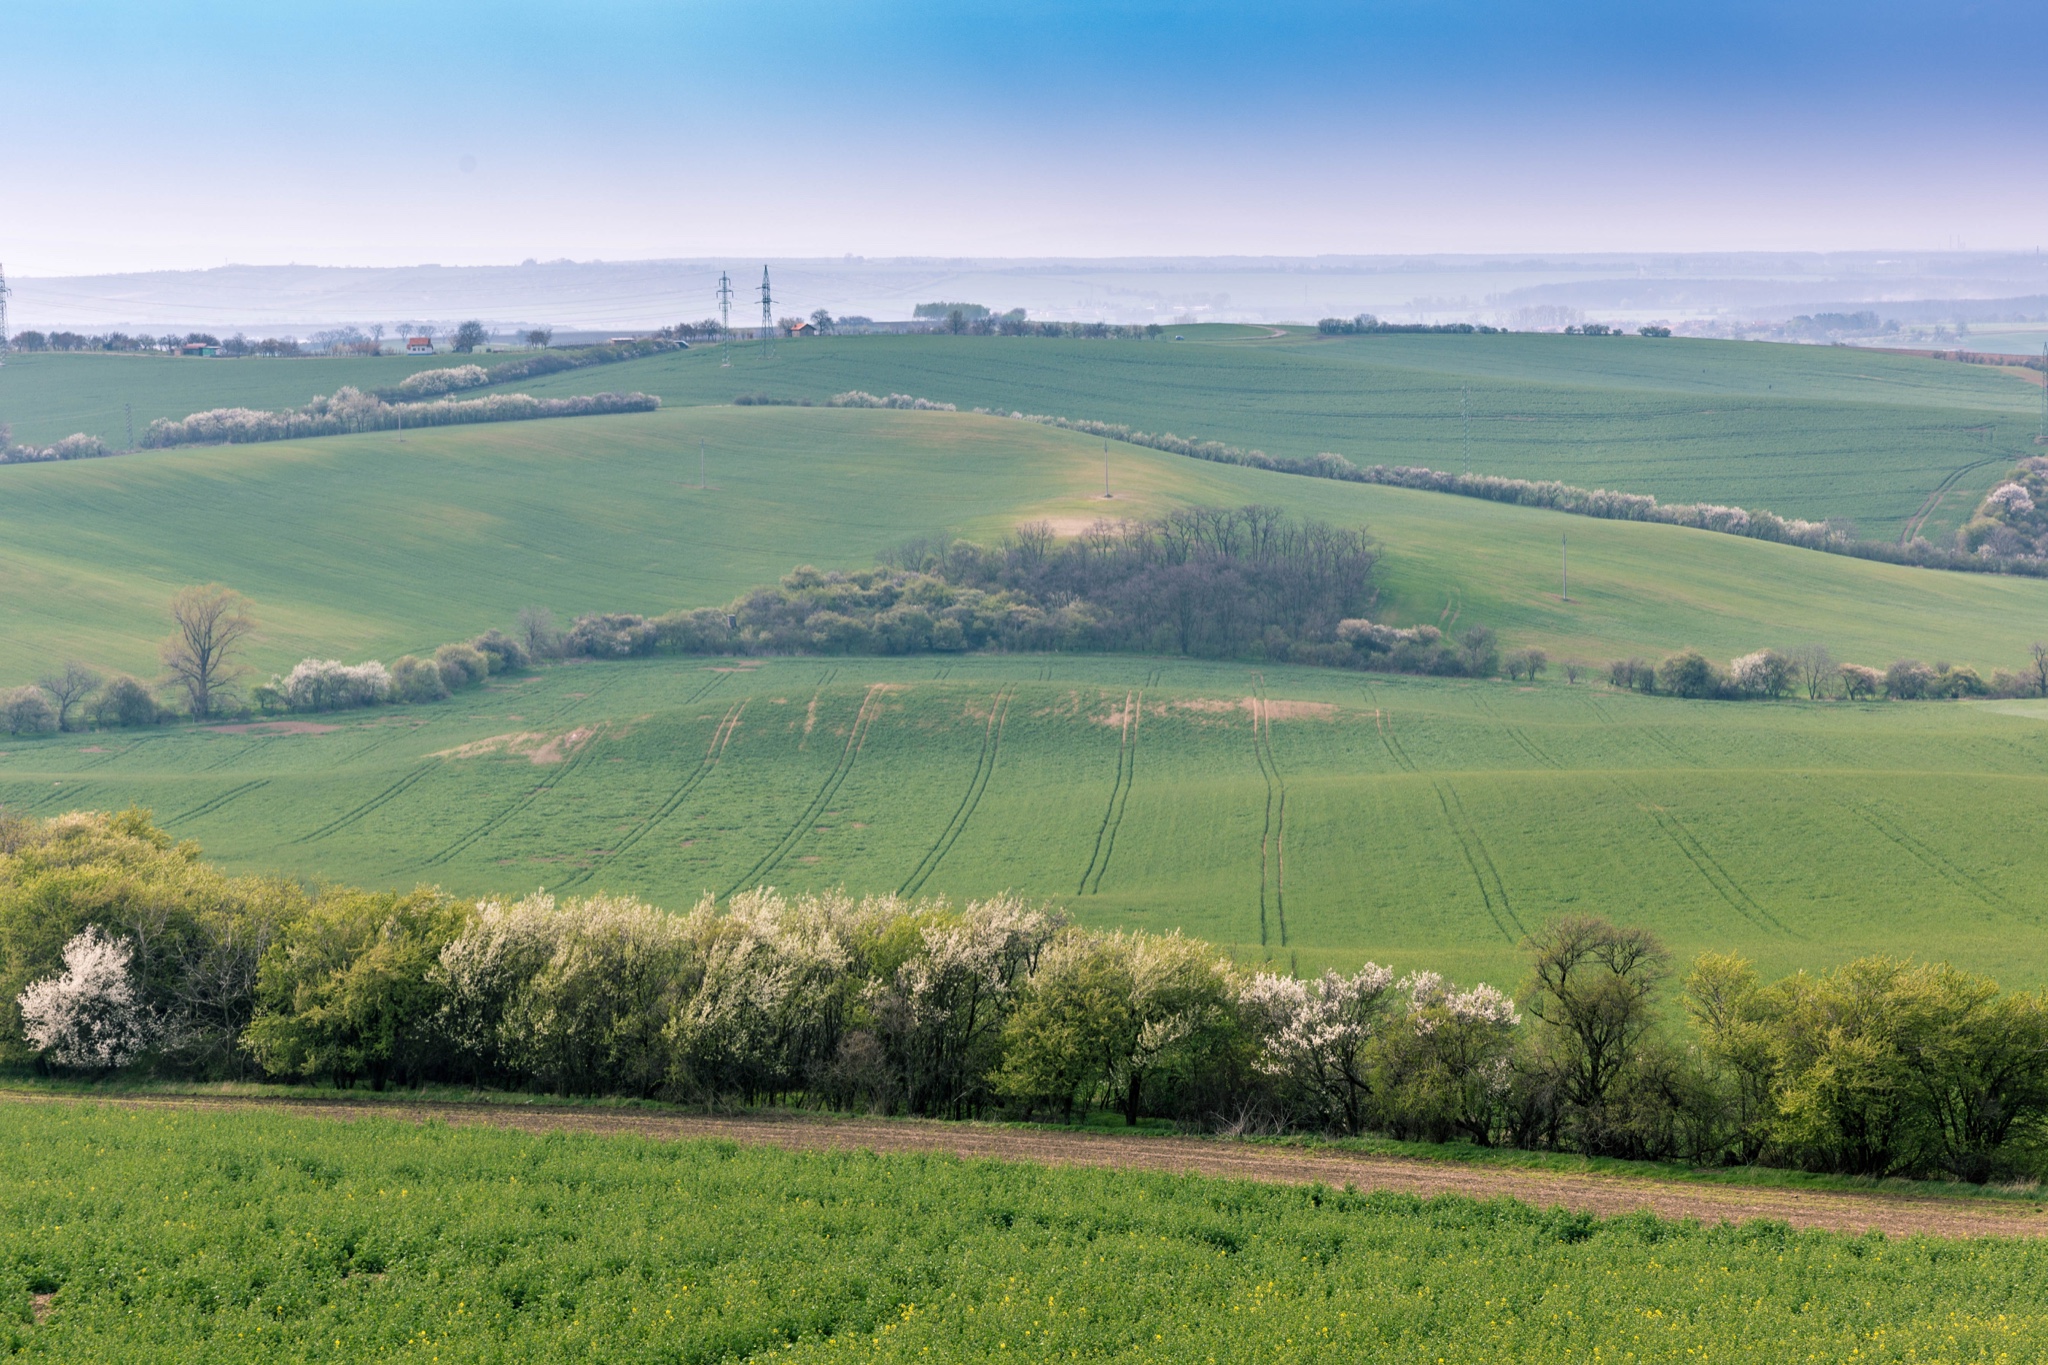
1604 1195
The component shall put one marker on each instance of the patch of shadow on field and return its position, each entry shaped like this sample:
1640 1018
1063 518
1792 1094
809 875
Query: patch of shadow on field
1607 1195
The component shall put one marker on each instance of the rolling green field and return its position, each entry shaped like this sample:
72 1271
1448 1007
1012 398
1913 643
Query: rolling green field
249 1236
372 545
1890 442
1804 431
47 395
1301 816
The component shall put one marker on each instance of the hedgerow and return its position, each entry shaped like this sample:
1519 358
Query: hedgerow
120 949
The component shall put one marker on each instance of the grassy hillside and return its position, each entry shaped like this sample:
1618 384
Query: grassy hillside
1802 430
1808 431
46 396
1294 814
371 545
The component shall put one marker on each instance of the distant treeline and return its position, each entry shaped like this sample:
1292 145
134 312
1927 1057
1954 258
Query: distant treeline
448 379
121 951
351 410
1366 324
1583 502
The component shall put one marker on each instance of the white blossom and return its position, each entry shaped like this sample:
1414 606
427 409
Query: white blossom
92 1016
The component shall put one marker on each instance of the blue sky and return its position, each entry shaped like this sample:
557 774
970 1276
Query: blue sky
160 134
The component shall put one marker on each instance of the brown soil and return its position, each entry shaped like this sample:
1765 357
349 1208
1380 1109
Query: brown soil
1606 1195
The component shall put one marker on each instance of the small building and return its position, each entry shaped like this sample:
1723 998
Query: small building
419 345
803 329
198 348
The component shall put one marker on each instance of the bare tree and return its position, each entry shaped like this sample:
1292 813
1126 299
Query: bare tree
540 336
212 621
68 687
822 320
1816 669
2041 668
537 631
1573 670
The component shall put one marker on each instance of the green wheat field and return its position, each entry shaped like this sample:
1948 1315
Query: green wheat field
1308 817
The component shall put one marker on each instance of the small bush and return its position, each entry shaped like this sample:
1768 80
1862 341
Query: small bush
122 702
461 666
26 711
415 679
501 651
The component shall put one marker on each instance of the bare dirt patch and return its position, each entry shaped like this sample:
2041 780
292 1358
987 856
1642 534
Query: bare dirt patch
39 1306
1605 1195
561 746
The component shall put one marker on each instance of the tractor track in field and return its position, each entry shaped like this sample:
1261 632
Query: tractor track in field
1929 857
1933 499
713 753
1276 816
863 723
1900 1214
1481 863
476 835
1704 862
209 807
1119 794
355 813
970 800
1383 721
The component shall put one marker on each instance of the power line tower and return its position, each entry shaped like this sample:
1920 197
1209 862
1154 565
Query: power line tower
2044 361
767 316
3 310
725 317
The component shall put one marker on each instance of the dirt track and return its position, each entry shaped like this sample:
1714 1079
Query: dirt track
1897 1215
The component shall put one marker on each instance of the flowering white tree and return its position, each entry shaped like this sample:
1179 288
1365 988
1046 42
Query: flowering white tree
91 1017
2013 497
1314 1037
942 1013
330 685
1449 1067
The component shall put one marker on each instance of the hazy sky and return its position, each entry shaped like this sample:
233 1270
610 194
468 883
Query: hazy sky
151 133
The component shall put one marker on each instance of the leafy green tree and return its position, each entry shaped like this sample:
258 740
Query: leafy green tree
1593 990
349 992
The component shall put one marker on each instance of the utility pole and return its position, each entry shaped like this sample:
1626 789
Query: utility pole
3 313
1105 469
1566 578
2044 371
700 464
725 317
128 411
767 317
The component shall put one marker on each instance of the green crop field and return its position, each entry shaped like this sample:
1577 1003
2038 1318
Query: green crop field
1298 815
1807 431
1889 442
46 396
146 1236
372 545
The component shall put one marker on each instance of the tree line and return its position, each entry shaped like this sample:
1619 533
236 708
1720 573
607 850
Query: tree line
121 950
1810 670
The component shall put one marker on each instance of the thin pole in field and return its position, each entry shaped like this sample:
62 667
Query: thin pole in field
1105 469
128 411
2044 391
700 463
1465 411
1565 551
